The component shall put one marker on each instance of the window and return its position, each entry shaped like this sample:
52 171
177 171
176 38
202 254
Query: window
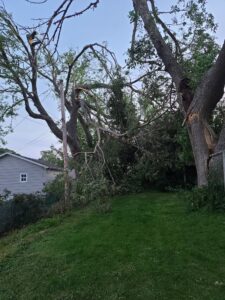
23 177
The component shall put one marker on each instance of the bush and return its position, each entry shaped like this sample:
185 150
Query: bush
54 190
103 205
92 186
27 208
86 190
211 197
23 209
6 195
132 182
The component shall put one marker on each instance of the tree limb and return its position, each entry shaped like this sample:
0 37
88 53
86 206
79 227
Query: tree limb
165 28
211 88
163 50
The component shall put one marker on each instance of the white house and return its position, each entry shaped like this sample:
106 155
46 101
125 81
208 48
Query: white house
20 174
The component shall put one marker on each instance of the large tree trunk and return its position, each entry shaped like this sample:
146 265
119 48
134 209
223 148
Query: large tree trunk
200 150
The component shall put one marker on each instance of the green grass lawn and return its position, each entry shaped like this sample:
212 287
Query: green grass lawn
148 247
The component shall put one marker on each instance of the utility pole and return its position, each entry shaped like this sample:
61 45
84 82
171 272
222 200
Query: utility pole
65 153
224 169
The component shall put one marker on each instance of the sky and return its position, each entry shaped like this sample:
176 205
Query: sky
109 22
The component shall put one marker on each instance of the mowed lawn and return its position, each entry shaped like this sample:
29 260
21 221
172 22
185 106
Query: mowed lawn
147 247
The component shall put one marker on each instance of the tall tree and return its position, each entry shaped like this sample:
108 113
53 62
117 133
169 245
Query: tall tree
197 103
92 76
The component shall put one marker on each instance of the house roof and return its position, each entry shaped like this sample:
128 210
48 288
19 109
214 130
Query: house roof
38 162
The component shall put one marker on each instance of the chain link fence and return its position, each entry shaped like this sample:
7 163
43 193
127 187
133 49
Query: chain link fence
218 166
24 209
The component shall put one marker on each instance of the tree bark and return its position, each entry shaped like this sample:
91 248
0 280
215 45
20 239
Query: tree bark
200 150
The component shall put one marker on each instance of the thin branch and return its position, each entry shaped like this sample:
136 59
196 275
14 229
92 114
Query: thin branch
91 5
62 13
73 63
10 108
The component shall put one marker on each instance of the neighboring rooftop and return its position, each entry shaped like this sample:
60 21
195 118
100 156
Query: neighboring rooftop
39 162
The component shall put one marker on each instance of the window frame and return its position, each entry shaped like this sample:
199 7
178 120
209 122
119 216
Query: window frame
26 176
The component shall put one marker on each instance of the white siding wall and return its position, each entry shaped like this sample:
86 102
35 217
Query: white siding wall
51 175
10 169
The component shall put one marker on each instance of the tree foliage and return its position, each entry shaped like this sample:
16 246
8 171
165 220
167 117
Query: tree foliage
132 127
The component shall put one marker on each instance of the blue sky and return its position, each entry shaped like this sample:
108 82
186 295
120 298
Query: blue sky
109 22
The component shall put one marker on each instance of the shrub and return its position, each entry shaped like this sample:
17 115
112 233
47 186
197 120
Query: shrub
27 208
92 186
86 190
211 197
54 190
23 209
6 195
103 205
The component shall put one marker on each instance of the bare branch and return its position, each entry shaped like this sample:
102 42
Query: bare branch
62 13
73 63
91 5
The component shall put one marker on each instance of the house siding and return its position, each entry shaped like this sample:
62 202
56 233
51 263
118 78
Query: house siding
51 175
12 167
